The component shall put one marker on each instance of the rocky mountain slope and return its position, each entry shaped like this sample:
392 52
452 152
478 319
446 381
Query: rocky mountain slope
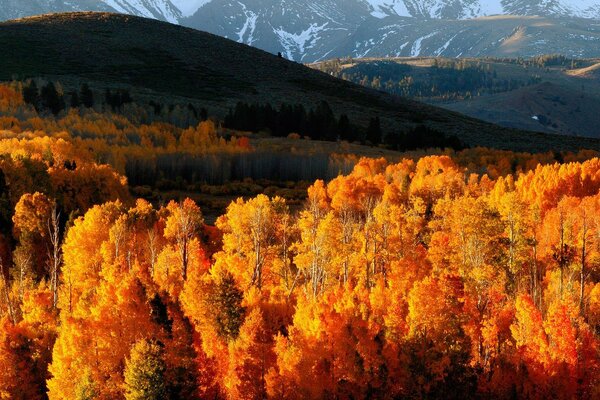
311 30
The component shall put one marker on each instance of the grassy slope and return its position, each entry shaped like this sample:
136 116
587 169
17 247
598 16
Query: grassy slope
178 63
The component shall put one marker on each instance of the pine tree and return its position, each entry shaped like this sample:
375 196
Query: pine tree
145 371
344 128
52 99
31 94
86 96
374 131
75 100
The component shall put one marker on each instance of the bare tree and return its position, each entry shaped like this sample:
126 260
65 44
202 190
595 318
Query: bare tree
54 253
22 262
188 222
9 304
152 248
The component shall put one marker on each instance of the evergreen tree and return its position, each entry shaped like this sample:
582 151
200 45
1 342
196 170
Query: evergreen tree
52 100
75 100
203 114
31 94
86 95
374 131
344 129
145 372
227 304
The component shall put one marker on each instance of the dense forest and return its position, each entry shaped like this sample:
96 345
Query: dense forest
443 80
460 275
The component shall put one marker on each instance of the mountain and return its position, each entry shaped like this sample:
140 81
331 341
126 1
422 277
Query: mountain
497 36
552 94
311 30
463 9
159 9
178 65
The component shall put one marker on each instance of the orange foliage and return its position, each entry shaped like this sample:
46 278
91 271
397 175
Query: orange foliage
422 279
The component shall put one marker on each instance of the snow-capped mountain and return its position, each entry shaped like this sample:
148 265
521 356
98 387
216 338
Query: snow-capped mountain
296 28
310 30
313 30
464 9
176 10
158 9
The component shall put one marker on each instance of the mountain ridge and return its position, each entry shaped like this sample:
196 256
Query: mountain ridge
311 30
175 10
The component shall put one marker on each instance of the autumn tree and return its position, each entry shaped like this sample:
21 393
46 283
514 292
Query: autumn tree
33 212
250 235
182 225
145 372
436 334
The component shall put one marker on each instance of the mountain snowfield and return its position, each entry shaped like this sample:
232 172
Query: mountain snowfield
312 30
160 9
189 7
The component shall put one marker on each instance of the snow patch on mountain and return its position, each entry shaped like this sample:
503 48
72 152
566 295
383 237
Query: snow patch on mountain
249 26
159 9
298 43
586 8
490 7
445 46
384 8
189 7
416 48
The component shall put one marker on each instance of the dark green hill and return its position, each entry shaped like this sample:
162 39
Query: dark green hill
180 64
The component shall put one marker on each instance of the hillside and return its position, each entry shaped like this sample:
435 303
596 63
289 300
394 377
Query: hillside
551 107
181 65
592 71
552 94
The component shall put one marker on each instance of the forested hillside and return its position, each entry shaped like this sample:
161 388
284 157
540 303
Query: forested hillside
173 65
550 93
469 274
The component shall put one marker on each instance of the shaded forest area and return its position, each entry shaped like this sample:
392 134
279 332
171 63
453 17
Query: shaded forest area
322 124
177 148
444 80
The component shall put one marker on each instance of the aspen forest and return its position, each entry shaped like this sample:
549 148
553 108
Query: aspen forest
432 274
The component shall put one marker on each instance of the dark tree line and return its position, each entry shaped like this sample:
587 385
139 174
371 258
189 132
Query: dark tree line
50 99
47 99
85 97
221 168
117 99
201 114
444 80
322 124
423 137
319 123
